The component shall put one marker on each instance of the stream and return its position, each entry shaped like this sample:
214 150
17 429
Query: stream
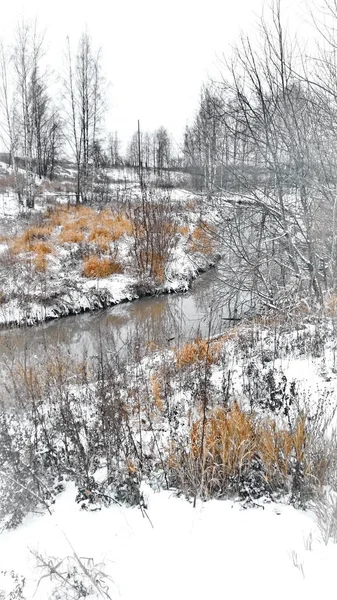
152 322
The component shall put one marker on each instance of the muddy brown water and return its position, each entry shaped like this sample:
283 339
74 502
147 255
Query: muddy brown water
151 322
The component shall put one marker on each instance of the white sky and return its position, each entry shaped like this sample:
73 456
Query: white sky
156 54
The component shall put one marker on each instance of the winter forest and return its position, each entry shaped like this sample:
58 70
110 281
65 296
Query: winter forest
168 325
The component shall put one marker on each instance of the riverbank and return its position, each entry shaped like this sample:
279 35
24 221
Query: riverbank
78 297
79 259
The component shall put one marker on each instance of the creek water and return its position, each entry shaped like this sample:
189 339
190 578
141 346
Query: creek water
151 322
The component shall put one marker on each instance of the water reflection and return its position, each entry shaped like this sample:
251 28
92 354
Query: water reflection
157 322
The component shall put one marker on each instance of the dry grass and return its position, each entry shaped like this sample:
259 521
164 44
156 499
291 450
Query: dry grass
198 351
100 267
41 250
30 237
40 263
36 233
202 240
101 237
233 439
183 230
157 393
40 247
71 235
109 228
59 215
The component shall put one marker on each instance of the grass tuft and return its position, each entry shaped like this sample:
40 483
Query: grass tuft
95 266
198 351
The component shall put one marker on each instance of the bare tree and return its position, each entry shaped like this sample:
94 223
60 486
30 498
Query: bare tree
27 55
85 106
8 122
269 131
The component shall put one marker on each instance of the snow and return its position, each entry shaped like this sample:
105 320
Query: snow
216 550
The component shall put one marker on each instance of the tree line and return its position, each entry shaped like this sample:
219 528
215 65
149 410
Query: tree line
39 127
262 148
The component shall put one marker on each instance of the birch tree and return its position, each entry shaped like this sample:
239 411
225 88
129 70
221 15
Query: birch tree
85 107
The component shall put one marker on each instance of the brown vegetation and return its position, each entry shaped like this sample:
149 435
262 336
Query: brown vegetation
202 240
230 443
95 266
30 237
198 351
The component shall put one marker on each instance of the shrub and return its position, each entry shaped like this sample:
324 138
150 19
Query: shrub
100 267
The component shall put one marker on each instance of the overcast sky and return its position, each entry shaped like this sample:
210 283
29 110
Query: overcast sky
156 53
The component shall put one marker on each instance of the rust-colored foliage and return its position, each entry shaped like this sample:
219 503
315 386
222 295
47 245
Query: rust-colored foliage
183 230
95 266
157 392
233 438
40 263
202 240
31 235
108 228
71 235
198 351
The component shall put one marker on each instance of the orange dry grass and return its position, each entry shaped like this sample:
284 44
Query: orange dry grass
101 237
183 230
198 351
26 241
58 216
100 267
71 235
202 240
78 221
157 392
40 263
232 438
36 233
40 247
109 228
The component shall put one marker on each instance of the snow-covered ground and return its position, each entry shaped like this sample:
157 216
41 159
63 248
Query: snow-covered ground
217 550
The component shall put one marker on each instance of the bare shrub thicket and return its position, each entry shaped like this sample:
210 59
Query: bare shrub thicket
262 148
154 231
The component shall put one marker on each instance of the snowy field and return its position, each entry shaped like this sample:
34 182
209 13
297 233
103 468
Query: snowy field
217 550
